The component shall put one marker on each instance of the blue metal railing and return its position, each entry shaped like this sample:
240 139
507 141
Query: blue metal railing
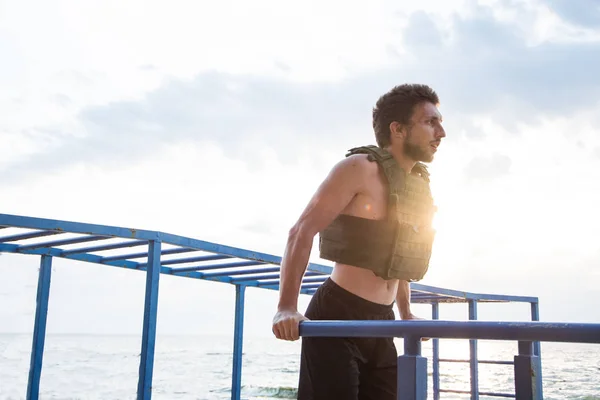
243 268
412 366
473 359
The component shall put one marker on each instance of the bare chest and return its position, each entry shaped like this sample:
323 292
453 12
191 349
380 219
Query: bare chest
371 203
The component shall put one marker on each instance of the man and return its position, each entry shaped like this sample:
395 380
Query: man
373 213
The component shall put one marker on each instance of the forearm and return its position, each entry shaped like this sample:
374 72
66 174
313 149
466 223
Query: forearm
403 299
293 267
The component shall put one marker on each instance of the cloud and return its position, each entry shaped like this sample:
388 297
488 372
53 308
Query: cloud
488 168
486 66
584 13
61 99
241 113
480 65
422 32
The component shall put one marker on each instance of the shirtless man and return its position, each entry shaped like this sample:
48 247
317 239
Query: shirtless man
407 125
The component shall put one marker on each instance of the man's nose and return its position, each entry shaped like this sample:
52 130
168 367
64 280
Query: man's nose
440 132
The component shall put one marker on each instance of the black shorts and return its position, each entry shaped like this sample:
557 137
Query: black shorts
334 368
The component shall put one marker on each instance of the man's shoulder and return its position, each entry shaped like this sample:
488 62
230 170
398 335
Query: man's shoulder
359 162
356 170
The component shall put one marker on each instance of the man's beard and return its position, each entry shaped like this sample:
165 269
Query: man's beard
415 152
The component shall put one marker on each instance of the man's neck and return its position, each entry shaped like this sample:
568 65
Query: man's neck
405 162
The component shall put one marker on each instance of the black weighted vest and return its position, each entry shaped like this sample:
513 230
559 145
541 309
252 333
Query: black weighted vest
398 247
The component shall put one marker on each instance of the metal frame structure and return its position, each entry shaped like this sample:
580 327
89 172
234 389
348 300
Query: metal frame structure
412 366
164 253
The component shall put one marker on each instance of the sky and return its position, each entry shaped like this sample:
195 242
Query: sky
218 120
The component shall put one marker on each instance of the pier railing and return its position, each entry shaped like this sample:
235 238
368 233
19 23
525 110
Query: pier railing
158 253
412 366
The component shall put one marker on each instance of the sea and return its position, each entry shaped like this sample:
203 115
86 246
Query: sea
199 367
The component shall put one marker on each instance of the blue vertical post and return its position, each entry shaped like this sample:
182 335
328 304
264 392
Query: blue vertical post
144 390
535 316
238 341
39 328
435 314
473 359
412 371
527 368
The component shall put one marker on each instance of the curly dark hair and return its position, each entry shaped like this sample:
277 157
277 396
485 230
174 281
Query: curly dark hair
398 105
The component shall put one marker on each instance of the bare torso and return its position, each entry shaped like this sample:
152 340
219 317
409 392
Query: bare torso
371 204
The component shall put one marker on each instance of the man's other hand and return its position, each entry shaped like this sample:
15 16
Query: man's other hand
412 316
285 324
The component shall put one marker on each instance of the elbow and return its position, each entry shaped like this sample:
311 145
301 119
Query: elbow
300 233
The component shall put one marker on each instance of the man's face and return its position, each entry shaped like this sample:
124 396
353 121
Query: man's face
424 133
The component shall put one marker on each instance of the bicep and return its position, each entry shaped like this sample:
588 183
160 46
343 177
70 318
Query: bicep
338 189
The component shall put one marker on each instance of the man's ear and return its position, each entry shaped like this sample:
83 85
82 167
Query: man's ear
397 130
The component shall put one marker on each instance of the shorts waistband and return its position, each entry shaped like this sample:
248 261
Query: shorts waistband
355 301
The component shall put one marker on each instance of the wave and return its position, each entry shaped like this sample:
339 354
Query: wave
280 392
264 392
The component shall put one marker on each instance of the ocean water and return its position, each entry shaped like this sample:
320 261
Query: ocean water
199 367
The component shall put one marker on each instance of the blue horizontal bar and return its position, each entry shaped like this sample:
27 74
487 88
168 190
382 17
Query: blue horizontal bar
198 268
471 296
196 259
451 360
455 391
311 285
192 274
273 285
316 273
76 227
303 291
421 295
13 248
63 242
491 394
316 277
441 299
485 330
115 246
145 254
417 296
273 279
216 266
495 394
25 236
255 278
308 286
319 279
311 267
246 272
